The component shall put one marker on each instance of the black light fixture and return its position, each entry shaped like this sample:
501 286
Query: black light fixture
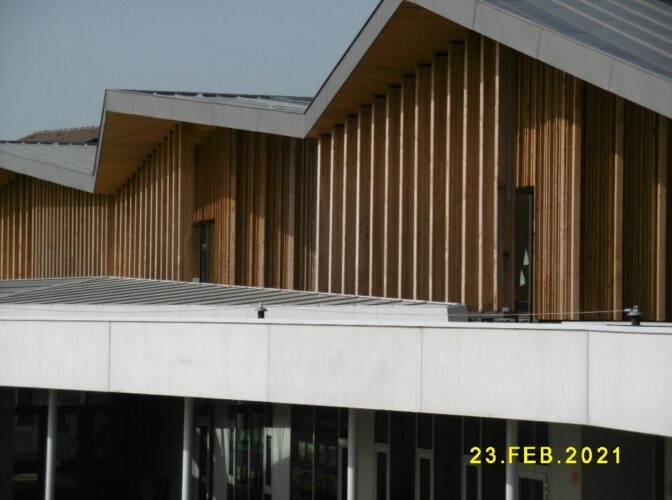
261 311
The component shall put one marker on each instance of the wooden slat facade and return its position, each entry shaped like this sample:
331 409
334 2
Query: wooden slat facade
410 196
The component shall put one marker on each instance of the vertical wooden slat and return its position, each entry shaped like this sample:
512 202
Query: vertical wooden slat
422 177
406 199
363 216
617 245
378 180
438 216
336 212
392 191
185 201
349 250
661 218
455 172
470 175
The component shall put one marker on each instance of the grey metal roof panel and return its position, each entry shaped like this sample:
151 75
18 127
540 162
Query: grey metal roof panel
279 103
68 164
635 32
75 157
131 291
11 287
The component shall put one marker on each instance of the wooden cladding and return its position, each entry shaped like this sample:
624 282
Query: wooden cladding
151 229
412 196
409 186
258 190
625 211
549 160
48 230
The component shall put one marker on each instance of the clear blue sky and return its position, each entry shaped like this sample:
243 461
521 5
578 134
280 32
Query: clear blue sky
58 56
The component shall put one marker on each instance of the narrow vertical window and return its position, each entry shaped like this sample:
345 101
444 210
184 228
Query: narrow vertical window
524 250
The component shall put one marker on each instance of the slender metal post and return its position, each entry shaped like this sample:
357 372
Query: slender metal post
511 469
352 454
187 447
50 459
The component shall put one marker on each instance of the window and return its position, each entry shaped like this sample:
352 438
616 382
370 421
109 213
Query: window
524 270
319 454
202 251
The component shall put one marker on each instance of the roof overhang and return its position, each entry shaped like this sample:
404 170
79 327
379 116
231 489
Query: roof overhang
388 45
66 164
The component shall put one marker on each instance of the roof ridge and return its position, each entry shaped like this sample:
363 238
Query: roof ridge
66 129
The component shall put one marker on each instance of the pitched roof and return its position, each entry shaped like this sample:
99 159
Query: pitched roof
66 164
65 135
128 291
609 43
141 297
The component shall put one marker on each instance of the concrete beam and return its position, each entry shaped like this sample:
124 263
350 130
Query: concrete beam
578 373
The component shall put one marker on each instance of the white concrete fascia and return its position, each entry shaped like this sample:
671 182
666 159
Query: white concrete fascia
578 374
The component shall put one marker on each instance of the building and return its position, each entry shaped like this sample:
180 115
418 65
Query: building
496 154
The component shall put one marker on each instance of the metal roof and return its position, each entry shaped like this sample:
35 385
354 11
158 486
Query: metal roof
638 32
623 46
289 104
65 135
11 287
67 164
132 291
152 299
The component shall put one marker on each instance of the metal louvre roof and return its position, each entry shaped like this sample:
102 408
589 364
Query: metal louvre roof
638 32
132 291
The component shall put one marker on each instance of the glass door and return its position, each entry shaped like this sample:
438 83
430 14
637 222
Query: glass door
532 482
424 471
382 472
471 479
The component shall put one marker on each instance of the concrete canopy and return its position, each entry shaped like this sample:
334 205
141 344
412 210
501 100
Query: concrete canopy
627 52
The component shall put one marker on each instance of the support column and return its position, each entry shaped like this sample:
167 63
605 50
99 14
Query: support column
187 446
511 468
7 397
50 460
352 454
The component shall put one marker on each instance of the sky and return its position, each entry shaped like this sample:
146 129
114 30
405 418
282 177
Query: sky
58 56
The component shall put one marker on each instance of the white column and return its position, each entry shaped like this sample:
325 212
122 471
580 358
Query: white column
50 459
352 454
511 468
187 445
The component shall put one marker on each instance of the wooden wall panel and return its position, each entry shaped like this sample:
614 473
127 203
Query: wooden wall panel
602 188
412 197
48 230
152 214
645 168
549 146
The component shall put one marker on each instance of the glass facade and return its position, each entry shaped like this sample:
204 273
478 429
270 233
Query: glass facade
92 445
250 449
316 465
